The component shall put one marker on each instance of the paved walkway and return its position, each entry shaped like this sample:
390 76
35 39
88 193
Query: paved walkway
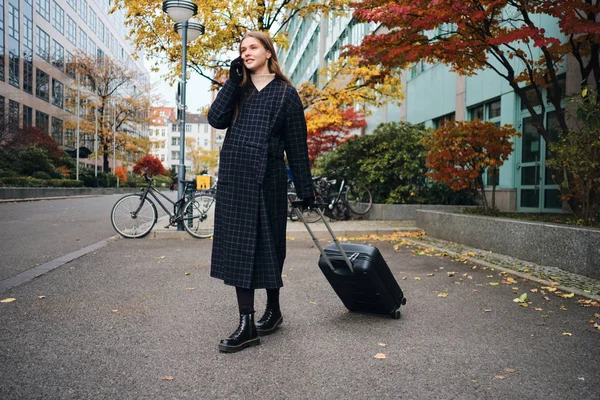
141 319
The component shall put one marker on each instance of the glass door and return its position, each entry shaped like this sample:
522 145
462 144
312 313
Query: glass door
536 189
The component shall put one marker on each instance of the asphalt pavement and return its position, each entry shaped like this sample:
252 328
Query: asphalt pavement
141 319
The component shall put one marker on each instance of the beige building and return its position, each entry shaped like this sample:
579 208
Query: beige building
37 41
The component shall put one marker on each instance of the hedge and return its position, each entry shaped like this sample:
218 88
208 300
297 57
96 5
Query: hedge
27 181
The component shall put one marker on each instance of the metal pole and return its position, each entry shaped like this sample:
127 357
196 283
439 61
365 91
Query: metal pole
114 137
96 144
77 144
181 169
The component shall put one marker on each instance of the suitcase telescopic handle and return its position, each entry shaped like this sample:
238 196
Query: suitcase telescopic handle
314 238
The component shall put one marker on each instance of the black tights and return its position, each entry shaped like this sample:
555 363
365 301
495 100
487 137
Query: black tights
245 298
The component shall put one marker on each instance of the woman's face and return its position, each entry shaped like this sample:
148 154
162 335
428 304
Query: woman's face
255 55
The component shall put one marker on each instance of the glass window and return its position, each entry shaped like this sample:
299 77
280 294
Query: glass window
13 43
58 56
71 30
83 9
70 66
43 8
43 45
477 113
59 18
27 116
13 116
42 85
82 40
91 48
42 121
532 98
70 99
494 109
188 128
57 130
73 4
57 93
28 76
92 20
2 78
100 32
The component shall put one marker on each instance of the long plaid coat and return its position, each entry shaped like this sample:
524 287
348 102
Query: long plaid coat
251 207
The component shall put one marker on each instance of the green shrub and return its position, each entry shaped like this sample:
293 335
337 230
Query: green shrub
7 174
41 175
27 181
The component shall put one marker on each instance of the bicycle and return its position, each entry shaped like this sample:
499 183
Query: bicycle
350 196
134 215
309 215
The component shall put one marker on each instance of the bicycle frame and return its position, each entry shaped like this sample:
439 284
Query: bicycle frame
153 192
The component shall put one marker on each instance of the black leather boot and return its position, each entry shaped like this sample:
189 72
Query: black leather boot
269 322
244 336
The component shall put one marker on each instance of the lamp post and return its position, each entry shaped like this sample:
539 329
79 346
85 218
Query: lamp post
181 11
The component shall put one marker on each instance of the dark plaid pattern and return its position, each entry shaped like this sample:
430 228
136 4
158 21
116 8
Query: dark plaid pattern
250 220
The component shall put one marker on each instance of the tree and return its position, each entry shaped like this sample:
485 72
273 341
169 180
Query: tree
460 152
391 163
203 160
121 173
579 153
120 96
150 165
327 131
32 136
346 83
501 35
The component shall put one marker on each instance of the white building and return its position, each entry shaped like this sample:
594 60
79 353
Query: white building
165 136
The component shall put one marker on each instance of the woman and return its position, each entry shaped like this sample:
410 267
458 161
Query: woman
264 118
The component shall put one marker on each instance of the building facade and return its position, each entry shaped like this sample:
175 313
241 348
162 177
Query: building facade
38 39
433 94
164 133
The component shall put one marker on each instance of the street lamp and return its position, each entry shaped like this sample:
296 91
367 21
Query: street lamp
181 11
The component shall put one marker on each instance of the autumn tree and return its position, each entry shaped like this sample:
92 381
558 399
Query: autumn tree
118 98
327 131
121 173
202 159
460 152
150 165
504 36
344 83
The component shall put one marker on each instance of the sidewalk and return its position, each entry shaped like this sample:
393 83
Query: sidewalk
141 319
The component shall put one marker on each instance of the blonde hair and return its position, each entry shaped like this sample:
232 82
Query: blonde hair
272 62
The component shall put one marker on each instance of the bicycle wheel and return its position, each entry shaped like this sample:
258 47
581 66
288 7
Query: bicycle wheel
290 211
339 211
199 216
130 224
359 199
313 215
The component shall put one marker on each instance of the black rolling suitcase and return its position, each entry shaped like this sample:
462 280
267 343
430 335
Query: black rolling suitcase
359 275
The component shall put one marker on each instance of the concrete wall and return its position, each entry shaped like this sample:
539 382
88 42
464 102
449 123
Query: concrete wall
34 193
403 212
572 249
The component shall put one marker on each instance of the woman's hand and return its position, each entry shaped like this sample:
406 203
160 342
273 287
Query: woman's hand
236 71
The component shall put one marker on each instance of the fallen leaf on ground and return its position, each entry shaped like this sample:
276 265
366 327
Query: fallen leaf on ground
567 334
554 284
510 370
490 276
534 290
417 278
115 311
379 356
487 310
8 300
443 294
493 283
563 308
546 298
597 326
499 377
167 378
41 297
382 344
403 278
429 274
187 273
451 273
591 321
596 315
508 281
538 309
312 302
568 296
521 299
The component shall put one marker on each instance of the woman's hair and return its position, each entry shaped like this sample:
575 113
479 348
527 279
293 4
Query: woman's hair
272 62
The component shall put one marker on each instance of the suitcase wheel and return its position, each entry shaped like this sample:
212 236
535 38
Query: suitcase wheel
403 302
396 314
